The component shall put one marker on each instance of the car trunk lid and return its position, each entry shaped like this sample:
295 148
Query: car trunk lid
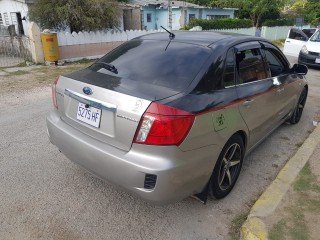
117 114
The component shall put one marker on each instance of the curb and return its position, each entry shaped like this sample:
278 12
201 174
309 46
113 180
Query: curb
254 228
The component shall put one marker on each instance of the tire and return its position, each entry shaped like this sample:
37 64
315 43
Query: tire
227 168
297 113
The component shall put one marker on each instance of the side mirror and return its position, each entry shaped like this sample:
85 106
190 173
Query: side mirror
299 69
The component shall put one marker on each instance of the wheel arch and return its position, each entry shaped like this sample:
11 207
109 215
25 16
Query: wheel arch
244 137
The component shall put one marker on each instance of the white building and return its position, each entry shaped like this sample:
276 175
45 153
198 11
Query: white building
14 12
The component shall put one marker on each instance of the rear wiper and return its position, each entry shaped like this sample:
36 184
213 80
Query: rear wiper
107 66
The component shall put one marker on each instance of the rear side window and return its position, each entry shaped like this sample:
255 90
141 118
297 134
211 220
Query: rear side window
162 63
250 66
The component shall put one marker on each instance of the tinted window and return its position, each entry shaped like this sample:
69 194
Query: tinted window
250 66
228 76
309 32
212 78
172 65
296 35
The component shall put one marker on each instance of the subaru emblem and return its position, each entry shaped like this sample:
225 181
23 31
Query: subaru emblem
87 90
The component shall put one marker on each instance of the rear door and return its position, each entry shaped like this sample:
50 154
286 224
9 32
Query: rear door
256 90
105 115
294 42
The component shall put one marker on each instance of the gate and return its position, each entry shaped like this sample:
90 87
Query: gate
14 50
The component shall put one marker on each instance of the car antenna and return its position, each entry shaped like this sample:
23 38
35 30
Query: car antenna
171 35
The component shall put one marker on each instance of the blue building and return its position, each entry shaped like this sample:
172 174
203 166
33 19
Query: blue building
151 14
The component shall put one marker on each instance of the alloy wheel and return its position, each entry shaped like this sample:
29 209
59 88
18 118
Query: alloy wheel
230 166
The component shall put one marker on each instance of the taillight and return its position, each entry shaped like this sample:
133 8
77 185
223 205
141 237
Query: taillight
163 125
54 93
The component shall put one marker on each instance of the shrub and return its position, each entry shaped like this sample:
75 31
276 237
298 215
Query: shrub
222 23
278 22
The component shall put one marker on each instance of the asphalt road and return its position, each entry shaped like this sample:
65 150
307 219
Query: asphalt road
45 196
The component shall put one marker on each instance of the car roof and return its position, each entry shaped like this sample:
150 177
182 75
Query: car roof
206 39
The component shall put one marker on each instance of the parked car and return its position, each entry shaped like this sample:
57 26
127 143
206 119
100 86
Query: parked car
170 117
294 42
310 52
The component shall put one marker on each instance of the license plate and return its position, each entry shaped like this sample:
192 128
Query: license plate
89 115
317 60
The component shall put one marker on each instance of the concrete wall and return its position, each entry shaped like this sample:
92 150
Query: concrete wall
131 19
162 18
176 15
152 24
270 33
9 6
159 17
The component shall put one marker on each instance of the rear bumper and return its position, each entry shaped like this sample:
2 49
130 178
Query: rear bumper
308 60
179 174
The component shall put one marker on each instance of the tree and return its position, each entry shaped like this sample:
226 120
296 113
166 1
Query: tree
309 10
259 10
77 14
312 13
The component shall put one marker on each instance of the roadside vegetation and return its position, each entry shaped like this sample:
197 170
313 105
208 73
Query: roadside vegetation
297 223
237 222
265 12
26 78
79 15
279 42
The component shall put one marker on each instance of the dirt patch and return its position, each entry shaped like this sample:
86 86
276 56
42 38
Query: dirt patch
26 78
298 216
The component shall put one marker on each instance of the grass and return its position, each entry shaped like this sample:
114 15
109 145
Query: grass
278 230
42 76
279 42
84 61
300 229
237 222
306 181
18 73
305 201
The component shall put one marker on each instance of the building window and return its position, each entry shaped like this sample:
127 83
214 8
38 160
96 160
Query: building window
1 21
149 17
6 19
192 17
14 18
210 17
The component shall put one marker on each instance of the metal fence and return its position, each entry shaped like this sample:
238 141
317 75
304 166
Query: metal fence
14 50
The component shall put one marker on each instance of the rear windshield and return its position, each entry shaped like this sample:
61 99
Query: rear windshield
168 64
315 37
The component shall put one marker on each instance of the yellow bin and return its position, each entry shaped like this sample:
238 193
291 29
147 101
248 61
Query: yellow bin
50 47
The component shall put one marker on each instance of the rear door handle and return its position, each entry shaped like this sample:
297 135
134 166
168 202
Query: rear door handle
287 41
